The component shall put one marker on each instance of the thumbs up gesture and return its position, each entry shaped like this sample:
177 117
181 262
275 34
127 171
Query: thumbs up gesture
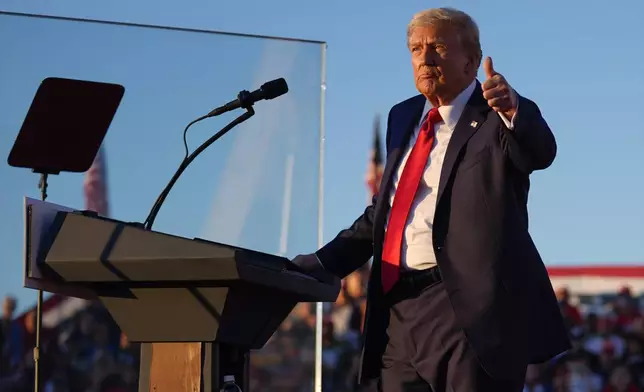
497 91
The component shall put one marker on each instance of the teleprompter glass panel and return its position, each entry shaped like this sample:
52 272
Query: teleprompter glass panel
256 188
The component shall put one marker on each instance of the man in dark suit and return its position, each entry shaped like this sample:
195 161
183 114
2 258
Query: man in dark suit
459 298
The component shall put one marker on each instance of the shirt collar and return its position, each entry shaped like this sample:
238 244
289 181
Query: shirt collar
452 113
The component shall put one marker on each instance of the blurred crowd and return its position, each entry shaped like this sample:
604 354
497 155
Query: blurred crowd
607 333
88 352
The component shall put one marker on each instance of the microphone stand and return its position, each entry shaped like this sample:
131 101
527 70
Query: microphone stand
250 112
42 185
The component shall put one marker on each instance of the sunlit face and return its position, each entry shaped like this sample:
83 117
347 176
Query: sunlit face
562 294
342 297
441 65
124 342
30 322
354 285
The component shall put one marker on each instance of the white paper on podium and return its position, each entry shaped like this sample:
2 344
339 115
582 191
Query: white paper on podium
38 217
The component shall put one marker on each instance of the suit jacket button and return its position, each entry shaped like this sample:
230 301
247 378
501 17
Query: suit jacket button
439 248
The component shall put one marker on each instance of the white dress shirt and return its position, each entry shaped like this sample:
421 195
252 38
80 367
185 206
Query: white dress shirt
417 251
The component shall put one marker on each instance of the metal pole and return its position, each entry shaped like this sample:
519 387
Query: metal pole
286 203
43 196
319 310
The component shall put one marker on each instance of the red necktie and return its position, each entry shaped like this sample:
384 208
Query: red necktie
403 199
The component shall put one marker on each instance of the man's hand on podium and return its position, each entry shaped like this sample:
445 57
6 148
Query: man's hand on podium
308 263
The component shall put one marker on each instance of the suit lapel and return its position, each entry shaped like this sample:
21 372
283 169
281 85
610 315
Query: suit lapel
402 127
400 134
473 116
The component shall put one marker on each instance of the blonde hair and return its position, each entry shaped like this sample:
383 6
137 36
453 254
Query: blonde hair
464 25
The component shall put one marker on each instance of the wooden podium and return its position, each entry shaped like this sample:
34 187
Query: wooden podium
197 306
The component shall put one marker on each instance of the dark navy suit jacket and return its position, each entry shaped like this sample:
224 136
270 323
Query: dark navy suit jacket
496 281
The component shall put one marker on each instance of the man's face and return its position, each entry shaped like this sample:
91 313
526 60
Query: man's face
30 322
441 65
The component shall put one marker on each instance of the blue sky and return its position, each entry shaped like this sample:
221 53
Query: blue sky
579 60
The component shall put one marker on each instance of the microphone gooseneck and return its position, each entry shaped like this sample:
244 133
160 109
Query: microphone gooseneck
245 100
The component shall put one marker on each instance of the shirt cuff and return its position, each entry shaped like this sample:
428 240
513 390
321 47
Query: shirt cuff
510 123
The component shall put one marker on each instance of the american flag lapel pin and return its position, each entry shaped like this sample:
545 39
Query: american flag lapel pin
473 124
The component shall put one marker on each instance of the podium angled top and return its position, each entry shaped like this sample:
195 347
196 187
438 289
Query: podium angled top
88 249
164 288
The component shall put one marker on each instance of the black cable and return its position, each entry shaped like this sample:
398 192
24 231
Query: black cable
250 112
185 133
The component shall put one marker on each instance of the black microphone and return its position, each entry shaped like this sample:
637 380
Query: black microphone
245 99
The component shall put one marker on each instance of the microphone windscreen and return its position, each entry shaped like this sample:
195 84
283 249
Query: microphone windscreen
274 88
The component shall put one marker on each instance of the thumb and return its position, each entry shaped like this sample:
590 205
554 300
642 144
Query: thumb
488 67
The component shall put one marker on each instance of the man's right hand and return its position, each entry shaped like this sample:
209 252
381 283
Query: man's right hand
308 263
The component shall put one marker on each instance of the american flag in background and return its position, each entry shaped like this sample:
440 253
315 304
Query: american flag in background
375 166
95 185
